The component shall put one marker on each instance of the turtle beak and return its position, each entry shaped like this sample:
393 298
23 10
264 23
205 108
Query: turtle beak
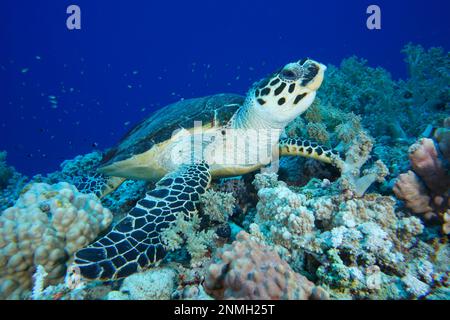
313 75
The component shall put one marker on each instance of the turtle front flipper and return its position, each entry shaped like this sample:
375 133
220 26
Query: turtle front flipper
307 149
98 184
135 242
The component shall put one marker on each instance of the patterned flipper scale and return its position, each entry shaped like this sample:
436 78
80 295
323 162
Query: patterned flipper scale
307 149
135 242
97 184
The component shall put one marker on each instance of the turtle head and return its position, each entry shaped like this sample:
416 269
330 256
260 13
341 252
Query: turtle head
287 93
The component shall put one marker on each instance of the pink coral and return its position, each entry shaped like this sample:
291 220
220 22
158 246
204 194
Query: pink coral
430 198
426 163
249 270
410 189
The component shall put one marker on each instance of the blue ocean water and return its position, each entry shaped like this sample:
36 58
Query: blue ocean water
65 93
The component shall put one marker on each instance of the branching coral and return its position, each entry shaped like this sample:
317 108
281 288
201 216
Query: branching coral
11 183
356 247
388 107
197 242
247 269
6 171
358 154
217 205
326 124
45 227
428 84
356 87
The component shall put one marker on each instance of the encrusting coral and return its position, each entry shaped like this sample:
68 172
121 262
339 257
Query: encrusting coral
249 270
45 227
154 284
425 189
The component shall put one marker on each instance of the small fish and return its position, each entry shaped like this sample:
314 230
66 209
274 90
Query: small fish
25 70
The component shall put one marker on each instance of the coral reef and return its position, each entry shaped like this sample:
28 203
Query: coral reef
6 171
154 284
354 247
45 227
217 205
79 171
125 197
187 231
326 124
425 189
11 183
325 231
249 270
280 213
357 155
387 107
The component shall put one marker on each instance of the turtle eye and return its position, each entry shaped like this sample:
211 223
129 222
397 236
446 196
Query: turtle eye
289 74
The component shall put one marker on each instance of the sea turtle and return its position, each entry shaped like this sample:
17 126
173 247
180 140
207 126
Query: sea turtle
184 146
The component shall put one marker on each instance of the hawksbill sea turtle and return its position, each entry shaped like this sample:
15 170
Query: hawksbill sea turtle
184 146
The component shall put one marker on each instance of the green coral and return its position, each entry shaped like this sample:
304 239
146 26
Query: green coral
6 171
11 183
389 107
326 124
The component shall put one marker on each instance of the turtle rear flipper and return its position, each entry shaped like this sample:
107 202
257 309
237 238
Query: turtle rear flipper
135 242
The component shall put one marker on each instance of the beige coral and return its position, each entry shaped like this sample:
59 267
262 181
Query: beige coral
45 227
247 269
217 205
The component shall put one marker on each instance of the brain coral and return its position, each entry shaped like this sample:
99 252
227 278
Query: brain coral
45 227
247 269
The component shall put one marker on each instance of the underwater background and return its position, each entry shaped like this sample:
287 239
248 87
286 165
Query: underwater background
131 58
374 228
